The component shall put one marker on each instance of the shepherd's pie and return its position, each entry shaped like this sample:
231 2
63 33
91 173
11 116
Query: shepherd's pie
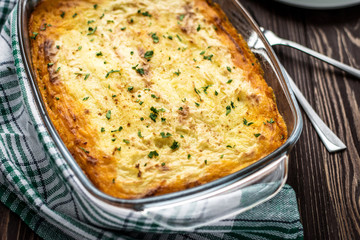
152 96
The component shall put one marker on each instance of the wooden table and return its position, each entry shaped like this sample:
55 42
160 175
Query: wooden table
327 185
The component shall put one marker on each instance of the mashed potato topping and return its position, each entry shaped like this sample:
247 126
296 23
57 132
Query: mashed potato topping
152 96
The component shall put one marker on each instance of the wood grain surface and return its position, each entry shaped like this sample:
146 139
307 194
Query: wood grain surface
327 185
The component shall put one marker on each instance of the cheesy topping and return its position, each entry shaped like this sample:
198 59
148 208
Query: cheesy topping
152 96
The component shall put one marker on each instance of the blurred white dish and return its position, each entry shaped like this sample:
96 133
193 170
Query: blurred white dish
321 4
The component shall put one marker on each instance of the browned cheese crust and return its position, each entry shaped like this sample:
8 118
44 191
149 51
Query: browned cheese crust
253 132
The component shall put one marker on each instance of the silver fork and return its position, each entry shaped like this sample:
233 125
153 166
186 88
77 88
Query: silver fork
329 139
273 39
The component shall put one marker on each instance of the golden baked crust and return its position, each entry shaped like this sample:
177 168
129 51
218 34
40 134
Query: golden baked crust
152 97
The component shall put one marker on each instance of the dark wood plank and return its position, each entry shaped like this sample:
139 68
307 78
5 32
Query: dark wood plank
326 184
12 227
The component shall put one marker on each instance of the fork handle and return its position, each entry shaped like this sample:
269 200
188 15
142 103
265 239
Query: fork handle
330 140
322 57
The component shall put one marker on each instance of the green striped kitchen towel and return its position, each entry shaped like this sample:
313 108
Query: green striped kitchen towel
38 185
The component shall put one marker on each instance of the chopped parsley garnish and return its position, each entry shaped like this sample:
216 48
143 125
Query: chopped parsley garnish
178 72
215 27
163 119
189 156
257 134
95 6
102 16
181 17
153 154
153 116
132 53
62 15
126 141
228 68
198 28
99 54
113 95
229 81
79 48
154 96
86 76
216 93
110 21
118 149
208 57
155 38
108 114
175 145
197 104
141 119
112 71
141 102
138 70
123 28
206 88
179 37
130 88
50 64
90 21
163 135
102 129
228 110
75 14
113 139
229 146
270 121
197 91
180 108
247 123
45 25
205 162
86 151
139 134
146 14
170 37
57 46
149 54
58 69
222 155
117 130
162 164
85 98
57 98
202 52
34 35
91 30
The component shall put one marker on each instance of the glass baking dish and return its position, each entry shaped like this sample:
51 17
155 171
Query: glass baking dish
219 199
